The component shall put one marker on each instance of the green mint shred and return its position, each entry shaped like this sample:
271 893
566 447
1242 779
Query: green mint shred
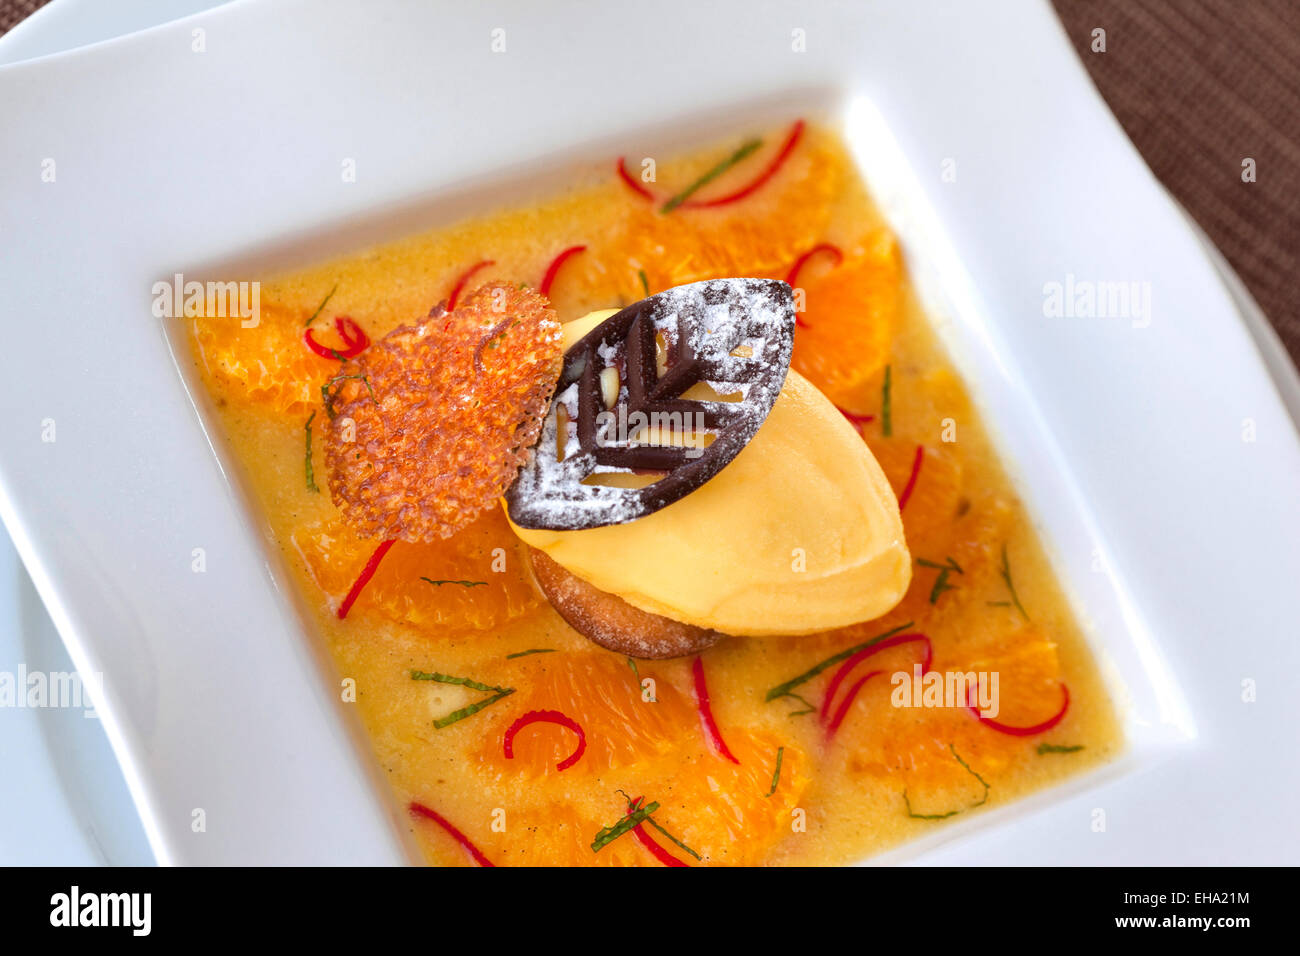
783 690
323 302
472 709
749 147
951 813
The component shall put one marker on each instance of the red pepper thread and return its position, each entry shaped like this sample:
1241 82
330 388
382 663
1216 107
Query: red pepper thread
842 711
647 841
768 172
354 338
368 572
465 276
706 712
420 810
549 717
847 667
631 182
793 276
857 420
554 267
911 479
1023 731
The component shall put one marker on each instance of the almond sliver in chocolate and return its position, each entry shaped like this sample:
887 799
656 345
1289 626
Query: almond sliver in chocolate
631 427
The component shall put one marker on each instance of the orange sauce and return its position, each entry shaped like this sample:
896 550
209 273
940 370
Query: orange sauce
890 773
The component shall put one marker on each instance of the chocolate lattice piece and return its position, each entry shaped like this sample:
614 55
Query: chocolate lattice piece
734 335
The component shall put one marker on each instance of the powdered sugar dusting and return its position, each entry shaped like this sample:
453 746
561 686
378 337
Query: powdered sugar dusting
702 324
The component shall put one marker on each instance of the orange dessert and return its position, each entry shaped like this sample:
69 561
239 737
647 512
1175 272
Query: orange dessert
654 527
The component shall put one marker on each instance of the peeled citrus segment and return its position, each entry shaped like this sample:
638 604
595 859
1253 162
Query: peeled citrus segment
1029 675
757 236
644 747
603 694
483 580
851 312
269 364
936 493
720 809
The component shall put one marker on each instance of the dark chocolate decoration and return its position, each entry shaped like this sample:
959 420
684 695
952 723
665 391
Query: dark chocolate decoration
733 334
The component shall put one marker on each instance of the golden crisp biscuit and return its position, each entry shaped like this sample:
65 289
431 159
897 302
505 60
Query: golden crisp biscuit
430 424
611 622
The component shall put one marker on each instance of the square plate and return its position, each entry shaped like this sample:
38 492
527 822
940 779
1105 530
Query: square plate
213 147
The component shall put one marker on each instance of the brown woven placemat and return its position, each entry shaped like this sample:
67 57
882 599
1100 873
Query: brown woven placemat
1200 86
13 12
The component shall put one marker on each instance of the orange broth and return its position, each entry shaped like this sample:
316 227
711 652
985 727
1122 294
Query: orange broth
890 773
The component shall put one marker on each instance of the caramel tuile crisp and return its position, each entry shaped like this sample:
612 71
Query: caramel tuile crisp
431 423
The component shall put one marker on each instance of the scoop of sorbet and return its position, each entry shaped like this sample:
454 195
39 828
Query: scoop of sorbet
800 533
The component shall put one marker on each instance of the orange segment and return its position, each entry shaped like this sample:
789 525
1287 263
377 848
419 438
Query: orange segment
269 364
851 311
599 691
931 508
483 570
1029 672
651 749
759 235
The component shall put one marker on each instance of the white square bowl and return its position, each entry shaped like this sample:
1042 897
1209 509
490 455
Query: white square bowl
213 147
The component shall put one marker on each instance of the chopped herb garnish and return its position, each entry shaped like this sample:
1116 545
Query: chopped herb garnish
940 585
637 813
645 283
323 302
886 406
472 709
950 565
951 813
631 662
608 835
783 690
311 472
654 823
1005 570
776 776
941 581
743 152
531 650
998 603
1058 749
808 708
328 399
464 584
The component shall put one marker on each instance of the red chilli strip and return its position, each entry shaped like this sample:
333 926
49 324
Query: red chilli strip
847 667
857 420
420 810
706 712
631 182
754 184
465 276
554 267
911 479
793 275
353 336
547 717
777 162
659 853
647 841
842 711
368 572
1023 731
